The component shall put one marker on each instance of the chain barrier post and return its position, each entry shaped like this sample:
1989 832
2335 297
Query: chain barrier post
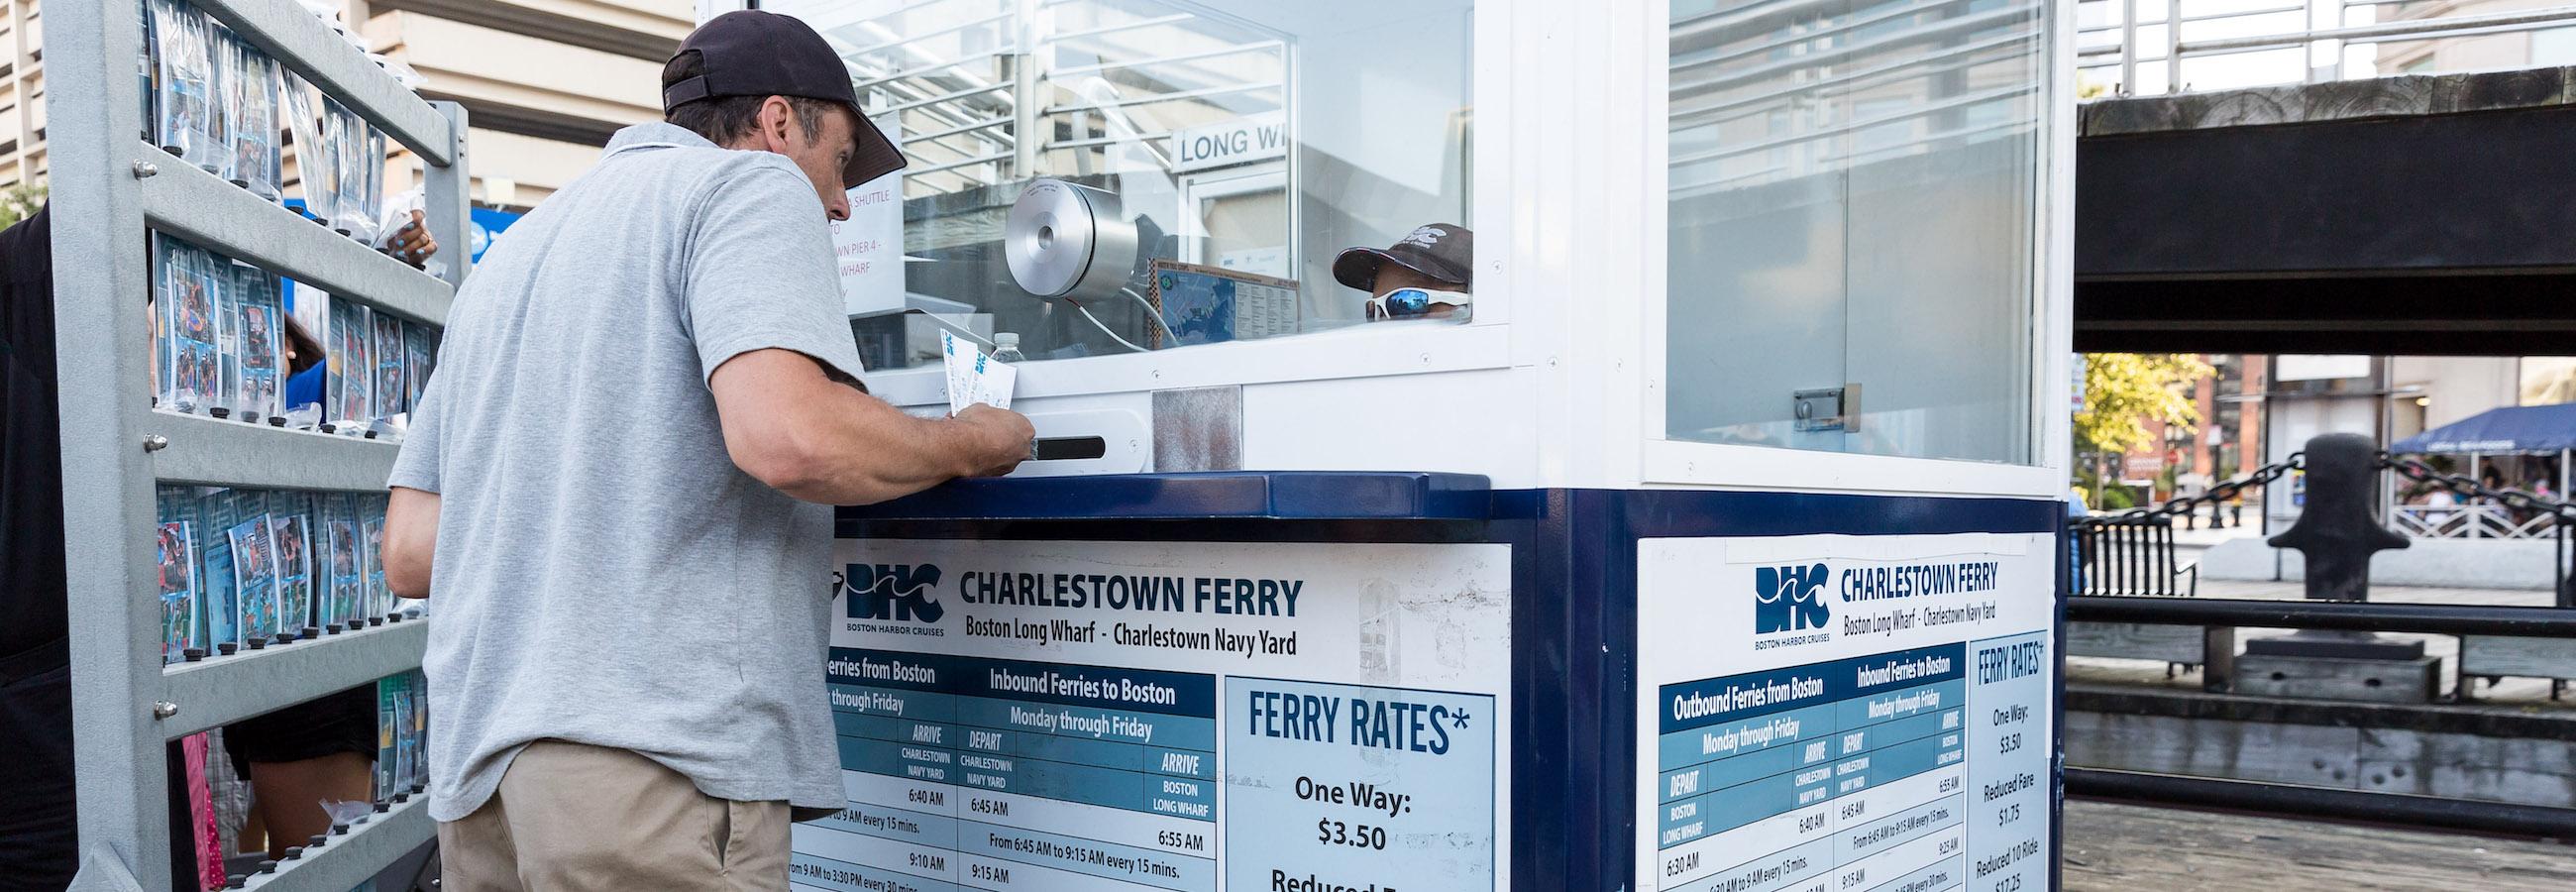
2337 532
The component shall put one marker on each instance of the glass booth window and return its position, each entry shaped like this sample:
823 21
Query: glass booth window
1103 176
1853 200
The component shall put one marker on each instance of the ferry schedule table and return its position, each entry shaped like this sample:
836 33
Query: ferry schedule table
1844 775
975 773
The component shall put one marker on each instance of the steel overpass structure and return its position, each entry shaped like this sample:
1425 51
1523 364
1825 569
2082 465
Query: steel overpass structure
2431 214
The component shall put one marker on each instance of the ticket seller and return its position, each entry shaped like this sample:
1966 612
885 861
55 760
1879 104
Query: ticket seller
1424 275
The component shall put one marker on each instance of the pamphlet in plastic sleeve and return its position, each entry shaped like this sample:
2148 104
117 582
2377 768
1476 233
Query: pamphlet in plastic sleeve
223 60
292 534
183 39
353 368
346 573
251 89
190 316
165 365
215 515
974 377
388 689
174 504
371 515
176 555
420 355
264 339
391 394
144 67
360 155
313 167
255 568
373 163
261 344
405 747
419 728
343 141
228 392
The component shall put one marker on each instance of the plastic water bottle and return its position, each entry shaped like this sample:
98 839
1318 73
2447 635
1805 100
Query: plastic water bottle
1006 347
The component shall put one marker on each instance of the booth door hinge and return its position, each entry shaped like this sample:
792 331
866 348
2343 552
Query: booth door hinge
1826 409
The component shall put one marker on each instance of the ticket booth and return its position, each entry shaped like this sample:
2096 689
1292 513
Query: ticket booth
1701 535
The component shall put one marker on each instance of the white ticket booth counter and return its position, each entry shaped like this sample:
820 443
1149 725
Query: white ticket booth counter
1701 533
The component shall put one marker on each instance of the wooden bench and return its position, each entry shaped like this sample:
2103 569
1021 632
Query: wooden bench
2135 558
2131 558
2212 649
2497 656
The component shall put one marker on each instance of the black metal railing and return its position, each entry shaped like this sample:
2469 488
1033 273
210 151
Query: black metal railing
2132 552
2132 558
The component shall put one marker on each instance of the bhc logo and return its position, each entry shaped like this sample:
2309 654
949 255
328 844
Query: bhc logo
892 592
1787 599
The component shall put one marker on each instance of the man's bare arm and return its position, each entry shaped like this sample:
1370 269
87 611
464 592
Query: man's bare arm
789 425
411 540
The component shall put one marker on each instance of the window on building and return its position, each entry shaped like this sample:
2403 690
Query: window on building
1247 142
2553 47
2548 380
1881 244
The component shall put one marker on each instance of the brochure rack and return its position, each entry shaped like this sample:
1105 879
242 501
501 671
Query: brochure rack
111 190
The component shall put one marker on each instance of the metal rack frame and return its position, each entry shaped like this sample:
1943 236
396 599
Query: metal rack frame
112 189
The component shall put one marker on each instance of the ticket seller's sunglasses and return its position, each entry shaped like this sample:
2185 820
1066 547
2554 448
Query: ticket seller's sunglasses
1404 303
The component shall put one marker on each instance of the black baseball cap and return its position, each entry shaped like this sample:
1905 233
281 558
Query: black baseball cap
753 53
1443 251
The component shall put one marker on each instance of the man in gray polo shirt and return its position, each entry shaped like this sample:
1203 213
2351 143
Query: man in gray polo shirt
616 490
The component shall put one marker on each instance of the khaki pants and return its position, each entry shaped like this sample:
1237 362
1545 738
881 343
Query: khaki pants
570 817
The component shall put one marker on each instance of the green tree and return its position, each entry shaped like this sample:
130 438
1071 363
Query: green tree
2123 390
17 202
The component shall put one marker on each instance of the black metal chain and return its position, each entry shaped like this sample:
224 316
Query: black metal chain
2218 493
2517 499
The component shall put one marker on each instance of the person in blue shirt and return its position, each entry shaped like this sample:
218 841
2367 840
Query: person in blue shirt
306 372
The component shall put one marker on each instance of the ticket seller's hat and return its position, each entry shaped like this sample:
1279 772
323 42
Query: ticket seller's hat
1443 251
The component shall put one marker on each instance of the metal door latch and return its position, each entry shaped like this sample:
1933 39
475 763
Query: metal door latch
1825 409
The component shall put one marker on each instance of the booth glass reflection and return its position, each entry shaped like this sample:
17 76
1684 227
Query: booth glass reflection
1854 212
1240 145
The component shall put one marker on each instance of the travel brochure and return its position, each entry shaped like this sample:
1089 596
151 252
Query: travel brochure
220 104
239 565
402 733
176 556
220 335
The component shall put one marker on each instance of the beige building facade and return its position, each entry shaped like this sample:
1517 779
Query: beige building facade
2530 46
545 82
